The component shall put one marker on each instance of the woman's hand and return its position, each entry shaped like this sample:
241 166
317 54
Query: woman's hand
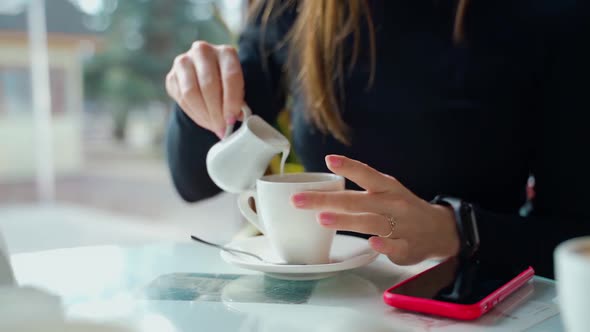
407 228
208 84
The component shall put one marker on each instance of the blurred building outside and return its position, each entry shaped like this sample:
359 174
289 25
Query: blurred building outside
66 42
108 59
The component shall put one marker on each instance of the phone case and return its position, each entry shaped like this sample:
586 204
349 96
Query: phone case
454 310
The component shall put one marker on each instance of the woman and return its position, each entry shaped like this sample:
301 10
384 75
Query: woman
442 97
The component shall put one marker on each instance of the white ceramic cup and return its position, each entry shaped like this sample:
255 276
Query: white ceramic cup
241 157
572 274
294 234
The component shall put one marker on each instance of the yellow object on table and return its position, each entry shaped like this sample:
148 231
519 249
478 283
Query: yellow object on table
275 166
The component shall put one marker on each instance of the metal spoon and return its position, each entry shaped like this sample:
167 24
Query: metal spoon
235 251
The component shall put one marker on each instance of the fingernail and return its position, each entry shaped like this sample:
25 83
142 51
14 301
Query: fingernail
231 120
334 161
299 200
326 219
221 132
376 242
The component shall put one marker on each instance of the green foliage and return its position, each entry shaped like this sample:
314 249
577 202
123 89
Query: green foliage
138 49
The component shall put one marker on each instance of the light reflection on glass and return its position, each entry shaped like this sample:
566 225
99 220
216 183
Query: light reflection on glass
121 307
156 323
87 277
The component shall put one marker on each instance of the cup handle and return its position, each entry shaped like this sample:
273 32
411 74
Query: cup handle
247 113
246 210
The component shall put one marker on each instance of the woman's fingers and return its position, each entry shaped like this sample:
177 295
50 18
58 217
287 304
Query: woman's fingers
367 223
396 249
408 228
365 176
232 80
184 80
172 85
352 202
340 201
209 81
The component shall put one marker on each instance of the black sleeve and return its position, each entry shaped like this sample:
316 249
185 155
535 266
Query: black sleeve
561 164
186 148
262 63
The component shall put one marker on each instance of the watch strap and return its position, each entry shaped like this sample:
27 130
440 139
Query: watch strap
466 224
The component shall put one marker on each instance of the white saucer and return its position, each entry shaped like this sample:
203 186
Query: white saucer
348 252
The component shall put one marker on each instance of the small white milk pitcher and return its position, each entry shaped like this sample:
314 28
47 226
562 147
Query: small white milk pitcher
241 157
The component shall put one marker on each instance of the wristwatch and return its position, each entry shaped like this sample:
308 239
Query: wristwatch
466 224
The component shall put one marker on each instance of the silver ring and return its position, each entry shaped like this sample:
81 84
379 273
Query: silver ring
392 224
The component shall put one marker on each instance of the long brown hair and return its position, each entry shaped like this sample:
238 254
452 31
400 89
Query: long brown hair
317 44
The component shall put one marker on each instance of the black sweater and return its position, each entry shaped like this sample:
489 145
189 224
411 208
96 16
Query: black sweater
471 120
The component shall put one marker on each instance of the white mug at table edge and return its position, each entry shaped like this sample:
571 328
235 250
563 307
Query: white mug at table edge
572 275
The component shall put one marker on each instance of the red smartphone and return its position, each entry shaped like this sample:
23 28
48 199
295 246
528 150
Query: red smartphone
459 290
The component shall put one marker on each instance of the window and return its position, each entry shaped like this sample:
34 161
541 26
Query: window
15 90
57 81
